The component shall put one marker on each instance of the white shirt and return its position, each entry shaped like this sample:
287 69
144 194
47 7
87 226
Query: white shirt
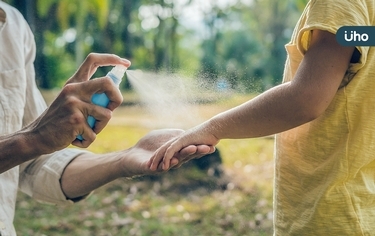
20 104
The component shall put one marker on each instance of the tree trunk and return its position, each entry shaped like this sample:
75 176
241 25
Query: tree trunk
28 9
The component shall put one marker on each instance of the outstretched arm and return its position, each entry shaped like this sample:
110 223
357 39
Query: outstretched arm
90 171
281 108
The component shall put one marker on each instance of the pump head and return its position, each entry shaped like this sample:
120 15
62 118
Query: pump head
119 71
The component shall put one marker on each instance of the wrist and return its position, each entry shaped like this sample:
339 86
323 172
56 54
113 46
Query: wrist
26 143
213 127
16 149
118 165
30 144
132 163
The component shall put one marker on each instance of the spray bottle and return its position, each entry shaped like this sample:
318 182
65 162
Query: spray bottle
101 99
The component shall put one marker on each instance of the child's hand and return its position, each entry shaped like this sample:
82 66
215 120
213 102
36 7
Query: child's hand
198 136
188 153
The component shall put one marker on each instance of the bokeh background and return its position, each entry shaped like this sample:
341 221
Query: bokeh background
238 41
234 47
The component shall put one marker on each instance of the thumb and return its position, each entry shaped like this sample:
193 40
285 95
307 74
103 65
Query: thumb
92 62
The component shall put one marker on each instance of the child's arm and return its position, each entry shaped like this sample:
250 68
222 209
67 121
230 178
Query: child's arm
281 108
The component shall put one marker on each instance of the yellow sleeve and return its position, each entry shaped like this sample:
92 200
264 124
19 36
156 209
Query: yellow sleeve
330 15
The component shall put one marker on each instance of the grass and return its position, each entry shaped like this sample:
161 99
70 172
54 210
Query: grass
187 201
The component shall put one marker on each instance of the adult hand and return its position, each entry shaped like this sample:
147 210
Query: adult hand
135 162
198 136
66 117
90 171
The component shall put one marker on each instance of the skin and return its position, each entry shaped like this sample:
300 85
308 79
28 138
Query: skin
66 117
279 109
90 171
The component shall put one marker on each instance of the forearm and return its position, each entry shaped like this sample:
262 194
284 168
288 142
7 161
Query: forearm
16 149
274 111
88 172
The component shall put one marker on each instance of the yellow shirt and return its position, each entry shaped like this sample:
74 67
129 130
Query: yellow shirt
325 169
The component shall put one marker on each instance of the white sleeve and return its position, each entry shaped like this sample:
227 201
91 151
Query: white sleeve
40 178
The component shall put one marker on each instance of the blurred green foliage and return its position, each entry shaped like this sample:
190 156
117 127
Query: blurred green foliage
240 44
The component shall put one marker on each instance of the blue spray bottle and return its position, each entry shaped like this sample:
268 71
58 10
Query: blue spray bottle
101 99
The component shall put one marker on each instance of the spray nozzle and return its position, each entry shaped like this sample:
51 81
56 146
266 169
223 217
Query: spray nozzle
119 71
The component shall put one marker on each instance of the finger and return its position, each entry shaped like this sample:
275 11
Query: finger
193 152
205 149
101 115
115 99
212 149
88 136
175 162
169 153
95 60
160 167
113 93
158 155
102 85
155 160
187 151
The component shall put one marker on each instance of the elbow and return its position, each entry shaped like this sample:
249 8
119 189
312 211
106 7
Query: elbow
309 111
309 104
310 116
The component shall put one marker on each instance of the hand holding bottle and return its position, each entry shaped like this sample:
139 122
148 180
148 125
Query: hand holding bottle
66 117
